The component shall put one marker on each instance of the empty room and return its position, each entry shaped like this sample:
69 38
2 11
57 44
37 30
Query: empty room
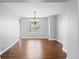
39 29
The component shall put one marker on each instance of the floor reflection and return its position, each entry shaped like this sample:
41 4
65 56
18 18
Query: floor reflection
34 49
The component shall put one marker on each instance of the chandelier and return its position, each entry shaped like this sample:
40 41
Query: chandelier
35 23
34 18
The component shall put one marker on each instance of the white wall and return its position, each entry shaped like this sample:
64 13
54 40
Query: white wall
68 28
25 28
62 29
53 27
9 27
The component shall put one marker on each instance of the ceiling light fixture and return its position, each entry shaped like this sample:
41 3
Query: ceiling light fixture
34 19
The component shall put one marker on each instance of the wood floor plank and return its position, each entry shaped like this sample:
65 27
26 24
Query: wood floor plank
35 49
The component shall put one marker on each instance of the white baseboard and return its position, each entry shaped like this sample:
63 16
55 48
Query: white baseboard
63 46
59 41
9 47
35 37
52 39
64 50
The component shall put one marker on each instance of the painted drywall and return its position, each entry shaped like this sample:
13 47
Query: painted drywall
68 28
9 27
62 30
25 28
53 27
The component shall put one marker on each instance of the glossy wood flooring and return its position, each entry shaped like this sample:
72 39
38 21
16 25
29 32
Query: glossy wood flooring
35 49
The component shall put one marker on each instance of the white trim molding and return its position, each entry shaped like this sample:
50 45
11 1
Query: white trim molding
35 37
49 27
63 46
53 39
9 47
64 50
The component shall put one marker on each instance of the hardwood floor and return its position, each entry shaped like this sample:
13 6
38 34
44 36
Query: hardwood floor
35 49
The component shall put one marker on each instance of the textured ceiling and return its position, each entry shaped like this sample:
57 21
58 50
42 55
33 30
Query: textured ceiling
33 0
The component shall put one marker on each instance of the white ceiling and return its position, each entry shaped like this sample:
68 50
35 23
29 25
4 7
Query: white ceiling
42 9
33 0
